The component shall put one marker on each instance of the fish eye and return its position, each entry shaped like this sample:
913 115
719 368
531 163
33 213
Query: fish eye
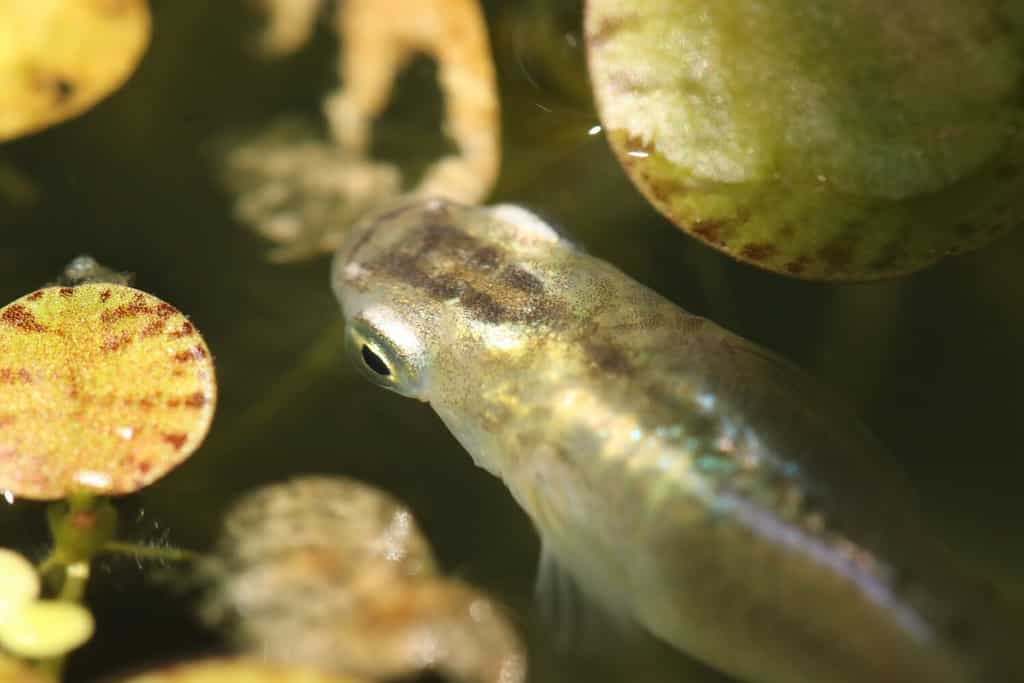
374 362
386 352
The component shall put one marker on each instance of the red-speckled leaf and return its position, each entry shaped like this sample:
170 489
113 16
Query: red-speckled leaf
102 387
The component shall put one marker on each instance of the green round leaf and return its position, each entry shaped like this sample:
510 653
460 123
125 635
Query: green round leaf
45 629
818 139
19 583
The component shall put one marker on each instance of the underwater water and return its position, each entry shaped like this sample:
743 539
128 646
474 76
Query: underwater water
932 361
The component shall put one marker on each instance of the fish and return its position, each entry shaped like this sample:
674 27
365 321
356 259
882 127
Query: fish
684 477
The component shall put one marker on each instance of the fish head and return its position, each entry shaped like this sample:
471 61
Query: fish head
434 293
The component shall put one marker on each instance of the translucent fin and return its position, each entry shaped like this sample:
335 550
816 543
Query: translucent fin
577 623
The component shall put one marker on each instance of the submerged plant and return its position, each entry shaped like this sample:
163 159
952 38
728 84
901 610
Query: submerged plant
329 572
302 191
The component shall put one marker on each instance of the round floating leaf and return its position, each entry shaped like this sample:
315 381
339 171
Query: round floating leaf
237 671
19 583
820 140
60 57
102 388
46 628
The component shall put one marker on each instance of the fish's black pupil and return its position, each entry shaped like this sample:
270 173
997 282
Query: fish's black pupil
374 362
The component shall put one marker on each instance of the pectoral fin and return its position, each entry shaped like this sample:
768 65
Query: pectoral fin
576 621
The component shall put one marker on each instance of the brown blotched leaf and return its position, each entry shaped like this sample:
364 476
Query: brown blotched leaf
102 387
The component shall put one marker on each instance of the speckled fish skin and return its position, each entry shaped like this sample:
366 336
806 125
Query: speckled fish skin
683 475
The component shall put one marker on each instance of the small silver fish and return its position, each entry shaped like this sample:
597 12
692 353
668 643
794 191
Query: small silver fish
682 475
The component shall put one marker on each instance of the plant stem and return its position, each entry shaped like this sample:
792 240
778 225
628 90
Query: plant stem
52 668
81 527
49 563
150 552
76 576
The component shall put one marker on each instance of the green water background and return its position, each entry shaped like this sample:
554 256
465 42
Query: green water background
933 361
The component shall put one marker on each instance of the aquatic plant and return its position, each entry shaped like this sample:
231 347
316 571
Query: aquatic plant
333 573
818 140
59 58
104 389
34 628
302 191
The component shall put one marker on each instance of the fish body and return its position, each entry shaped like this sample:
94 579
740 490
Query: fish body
684 476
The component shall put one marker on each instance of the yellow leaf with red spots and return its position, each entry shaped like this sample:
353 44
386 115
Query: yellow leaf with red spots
102 388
